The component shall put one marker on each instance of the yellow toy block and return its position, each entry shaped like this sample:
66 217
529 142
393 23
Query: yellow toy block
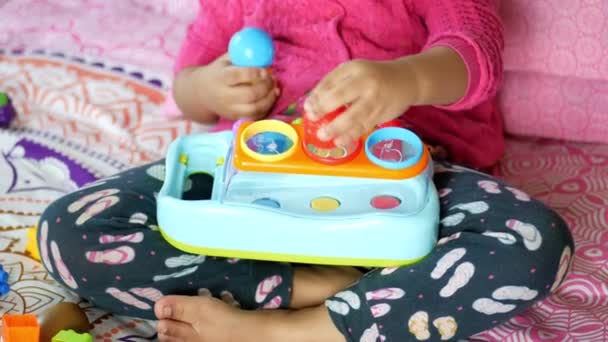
32 244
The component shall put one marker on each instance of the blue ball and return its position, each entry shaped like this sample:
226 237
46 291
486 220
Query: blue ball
3 277
251 47
4 289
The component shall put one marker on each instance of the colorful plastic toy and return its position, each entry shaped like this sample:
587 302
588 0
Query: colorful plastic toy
279 193
20 328
7 112
4 286
251 47
327 152
272 200
32 245
72 336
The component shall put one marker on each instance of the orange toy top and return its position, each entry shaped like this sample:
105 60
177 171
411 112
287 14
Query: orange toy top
20 328
295 160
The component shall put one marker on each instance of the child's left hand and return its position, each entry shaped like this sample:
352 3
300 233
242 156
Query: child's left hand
374 92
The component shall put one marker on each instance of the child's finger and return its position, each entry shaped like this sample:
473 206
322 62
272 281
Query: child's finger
224 59
238 75
330 81
348 126
250 93
341 94
262 106
258 109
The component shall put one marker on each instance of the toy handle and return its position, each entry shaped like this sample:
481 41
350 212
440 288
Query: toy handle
202 152
175 170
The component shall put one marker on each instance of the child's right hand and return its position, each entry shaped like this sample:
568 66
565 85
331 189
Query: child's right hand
235 92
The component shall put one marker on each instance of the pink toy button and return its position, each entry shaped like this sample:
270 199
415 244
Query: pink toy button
385 202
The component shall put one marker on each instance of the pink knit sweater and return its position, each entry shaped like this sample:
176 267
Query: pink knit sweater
313 36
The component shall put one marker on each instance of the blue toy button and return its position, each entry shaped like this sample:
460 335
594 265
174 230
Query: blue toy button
251 47
267 202
394 148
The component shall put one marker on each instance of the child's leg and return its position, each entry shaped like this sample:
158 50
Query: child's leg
103 243
499 252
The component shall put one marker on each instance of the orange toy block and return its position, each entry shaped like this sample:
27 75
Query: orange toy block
20 328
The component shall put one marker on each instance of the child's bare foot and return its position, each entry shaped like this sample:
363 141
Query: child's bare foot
208 319
202 319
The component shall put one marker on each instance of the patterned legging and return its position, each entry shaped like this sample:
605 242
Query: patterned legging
499 252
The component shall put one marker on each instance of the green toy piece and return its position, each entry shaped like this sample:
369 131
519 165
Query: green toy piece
7 112
3 99
72 336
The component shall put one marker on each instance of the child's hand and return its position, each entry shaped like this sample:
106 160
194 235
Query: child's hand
375 92
237 93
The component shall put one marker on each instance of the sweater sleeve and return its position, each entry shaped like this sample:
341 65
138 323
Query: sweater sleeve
208 35
471 28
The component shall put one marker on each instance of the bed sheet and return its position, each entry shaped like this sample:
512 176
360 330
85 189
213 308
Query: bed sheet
88 79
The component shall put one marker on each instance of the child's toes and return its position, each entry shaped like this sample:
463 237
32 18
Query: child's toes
180 308
175 331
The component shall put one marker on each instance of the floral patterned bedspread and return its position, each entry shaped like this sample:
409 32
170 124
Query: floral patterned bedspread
88 78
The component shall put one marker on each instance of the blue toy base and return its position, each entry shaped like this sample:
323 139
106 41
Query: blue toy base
306 259
270 216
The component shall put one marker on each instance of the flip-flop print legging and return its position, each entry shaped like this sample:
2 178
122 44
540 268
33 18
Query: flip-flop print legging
499 252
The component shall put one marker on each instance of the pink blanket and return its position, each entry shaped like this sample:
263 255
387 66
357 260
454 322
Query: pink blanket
556 63
118 55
